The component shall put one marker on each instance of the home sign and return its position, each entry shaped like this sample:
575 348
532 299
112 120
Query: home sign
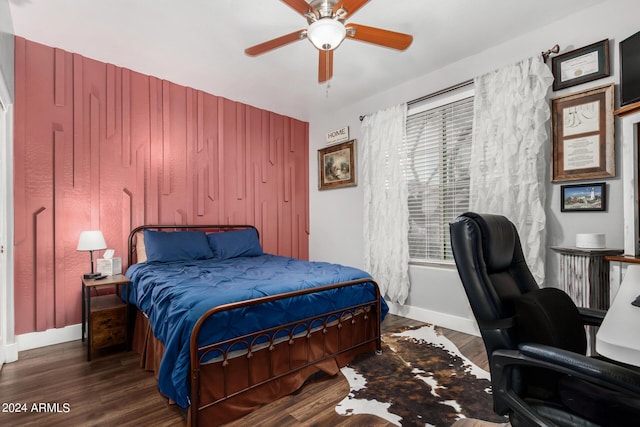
339 135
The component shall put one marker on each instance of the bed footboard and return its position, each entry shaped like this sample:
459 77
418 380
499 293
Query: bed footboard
276 354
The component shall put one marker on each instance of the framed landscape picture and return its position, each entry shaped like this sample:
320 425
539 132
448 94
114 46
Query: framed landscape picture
583 197
337 166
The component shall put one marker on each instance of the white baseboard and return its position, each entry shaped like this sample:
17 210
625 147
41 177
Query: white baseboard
74 332
48 337
8 353
462 324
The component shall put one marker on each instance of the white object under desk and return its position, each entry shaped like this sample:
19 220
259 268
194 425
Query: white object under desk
619 336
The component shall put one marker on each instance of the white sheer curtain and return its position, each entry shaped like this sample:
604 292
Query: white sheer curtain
510 151
386 213
508 155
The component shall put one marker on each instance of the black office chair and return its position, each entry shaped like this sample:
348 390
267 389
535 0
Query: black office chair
535 337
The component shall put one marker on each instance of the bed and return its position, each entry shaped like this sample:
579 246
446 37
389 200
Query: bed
227 328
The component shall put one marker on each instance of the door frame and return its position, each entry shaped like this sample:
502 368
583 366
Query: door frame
8 346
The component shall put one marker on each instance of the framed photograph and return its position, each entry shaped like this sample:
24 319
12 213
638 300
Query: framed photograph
583 135
583 197
581 65
337 166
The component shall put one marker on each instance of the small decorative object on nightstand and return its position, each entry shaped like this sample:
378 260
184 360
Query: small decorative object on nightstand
106 316
91 241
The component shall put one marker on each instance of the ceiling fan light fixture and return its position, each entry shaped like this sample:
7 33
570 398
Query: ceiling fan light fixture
326 33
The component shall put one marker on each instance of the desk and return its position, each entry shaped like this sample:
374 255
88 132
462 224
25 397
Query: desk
619 336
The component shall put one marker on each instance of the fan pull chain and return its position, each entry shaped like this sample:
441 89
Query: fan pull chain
327 66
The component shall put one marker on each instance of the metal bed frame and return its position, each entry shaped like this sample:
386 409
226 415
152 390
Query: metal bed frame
293 333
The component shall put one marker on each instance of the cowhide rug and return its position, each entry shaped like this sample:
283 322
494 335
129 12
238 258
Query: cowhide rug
420 378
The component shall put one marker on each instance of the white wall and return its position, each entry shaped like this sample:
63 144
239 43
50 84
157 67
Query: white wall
436 294
6 46
8 349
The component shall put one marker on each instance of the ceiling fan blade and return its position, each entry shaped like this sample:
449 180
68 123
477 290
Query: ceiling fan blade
325 65
379 36
351 6
301 6
275 43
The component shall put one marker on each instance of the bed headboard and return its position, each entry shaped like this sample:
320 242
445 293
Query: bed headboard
136 233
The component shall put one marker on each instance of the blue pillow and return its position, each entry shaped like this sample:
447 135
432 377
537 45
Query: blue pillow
237 243
176 245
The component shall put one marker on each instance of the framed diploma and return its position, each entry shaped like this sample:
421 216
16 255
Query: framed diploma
581 65
583 135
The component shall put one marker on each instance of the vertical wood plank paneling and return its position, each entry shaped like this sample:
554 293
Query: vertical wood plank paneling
155 150
59 78
42 242
78 122
213 190
301 138
126 117
65 256
60 296
94 148
200 122
128 149
127 220
268 244
286 162
201 191
265 145
166 138
241 139
141 169
136 117
190 155
110 99
304 140
219 158
179 217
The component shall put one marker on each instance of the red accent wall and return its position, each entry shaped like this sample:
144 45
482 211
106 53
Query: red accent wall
102 147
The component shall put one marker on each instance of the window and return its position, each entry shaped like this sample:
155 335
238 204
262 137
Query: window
438 154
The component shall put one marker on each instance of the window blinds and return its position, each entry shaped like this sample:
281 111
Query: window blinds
438 154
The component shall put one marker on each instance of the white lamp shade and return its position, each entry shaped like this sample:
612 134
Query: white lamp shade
326 33
91 241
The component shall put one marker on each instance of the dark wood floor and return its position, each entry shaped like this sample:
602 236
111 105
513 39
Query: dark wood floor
112 390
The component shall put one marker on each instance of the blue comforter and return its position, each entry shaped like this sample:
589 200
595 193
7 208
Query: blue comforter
175 294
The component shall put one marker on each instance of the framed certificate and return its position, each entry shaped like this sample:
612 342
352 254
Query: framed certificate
581 65
583 135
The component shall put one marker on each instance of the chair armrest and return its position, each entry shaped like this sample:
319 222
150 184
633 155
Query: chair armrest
592 316
598 371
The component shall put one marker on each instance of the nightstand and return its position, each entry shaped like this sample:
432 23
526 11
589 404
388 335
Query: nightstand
106 316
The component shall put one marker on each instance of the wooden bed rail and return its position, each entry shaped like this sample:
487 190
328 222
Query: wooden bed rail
268 338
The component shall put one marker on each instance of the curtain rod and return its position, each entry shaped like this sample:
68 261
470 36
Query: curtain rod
546 53
545 56
434 94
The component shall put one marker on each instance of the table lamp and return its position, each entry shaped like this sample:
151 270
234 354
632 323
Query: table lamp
91 241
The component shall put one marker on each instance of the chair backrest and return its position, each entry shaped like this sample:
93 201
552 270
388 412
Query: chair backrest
494 273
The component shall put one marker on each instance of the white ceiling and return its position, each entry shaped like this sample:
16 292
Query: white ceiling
200 43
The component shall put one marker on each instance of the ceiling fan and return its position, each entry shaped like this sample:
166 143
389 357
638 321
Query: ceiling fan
327 29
